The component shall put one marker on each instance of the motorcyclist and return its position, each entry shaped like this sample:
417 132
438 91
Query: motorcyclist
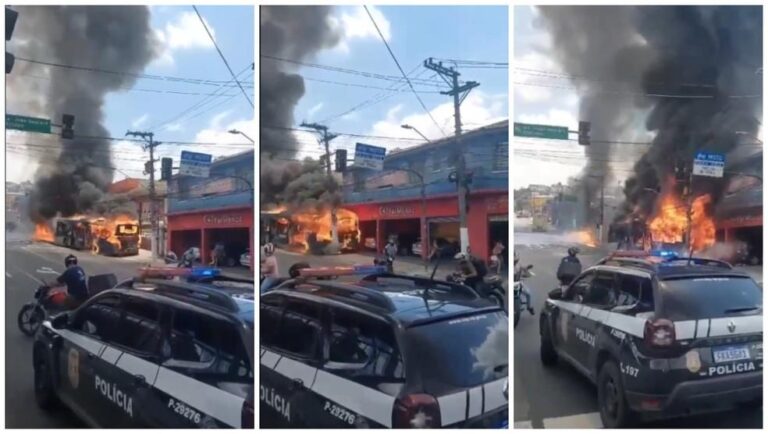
521 272
217 255
570 267
75 279
189 257
471 270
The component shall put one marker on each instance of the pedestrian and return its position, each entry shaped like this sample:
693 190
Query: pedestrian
390 250
496 255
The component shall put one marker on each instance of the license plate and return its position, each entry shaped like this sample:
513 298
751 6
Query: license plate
730 354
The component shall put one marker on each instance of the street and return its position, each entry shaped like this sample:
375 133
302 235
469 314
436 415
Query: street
560 397
27 263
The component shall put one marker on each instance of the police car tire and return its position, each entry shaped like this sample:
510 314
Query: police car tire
547 350
625 415
45 396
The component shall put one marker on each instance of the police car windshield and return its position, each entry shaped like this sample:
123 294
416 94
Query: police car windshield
709 297
461 352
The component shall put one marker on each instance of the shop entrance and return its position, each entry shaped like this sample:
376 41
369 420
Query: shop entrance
368 235
498 230
445 232
406 232
752 237
183 240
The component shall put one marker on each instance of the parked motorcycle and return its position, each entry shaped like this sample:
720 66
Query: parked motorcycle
48 299
492 288
189 259
519 287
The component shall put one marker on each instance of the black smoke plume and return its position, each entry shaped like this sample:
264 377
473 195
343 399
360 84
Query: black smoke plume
693 68
114 38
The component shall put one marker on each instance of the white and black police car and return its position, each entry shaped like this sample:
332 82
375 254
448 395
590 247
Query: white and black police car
381 350
660 336
155 351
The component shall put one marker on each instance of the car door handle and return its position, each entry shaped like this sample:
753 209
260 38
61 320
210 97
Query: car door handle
90 356
139 380
296 384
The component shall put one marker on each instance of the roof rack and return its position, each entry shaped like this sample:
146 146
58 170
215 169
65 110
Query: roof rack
423 281
356 293
191 291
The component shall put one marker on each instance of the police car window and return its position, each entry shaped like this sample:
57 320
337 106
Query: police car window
364 350
579 289
271 312
206 348
629 290
140 329
601 290
299 329
99 319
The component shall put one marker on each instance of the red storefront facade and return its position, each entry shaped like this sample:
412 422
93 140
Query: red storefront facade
204 228
486 209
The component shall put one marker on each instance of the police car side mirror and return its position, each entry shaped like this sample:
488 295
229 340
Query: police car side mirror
60 321
555 294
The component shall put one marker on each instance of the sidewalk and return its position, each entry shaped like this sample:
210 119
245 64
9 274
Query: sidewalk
145 257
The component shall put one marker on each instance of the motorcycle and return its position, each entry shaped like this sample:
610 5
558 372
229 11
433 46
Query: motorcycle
492 288
48 299
189 259
518 289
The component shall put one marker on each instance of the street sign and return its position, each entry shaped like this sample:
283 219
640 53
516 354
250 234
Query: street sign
371 157
541 131
26 123
709 164
195 164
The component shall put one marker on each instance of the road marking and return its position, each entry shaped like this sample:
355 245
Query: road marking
46 270
585 420
526 424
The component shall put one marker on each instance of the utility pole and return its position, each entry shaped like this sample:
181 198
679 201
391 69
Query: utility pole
326 138
459 93
150 167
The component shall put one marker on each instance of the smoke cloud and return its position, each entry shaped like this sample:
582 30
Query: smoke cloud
294 33
297 185
115 38
694 70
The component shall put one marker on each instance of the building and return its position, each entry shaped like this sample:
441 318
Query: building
389 203
219 209
739 213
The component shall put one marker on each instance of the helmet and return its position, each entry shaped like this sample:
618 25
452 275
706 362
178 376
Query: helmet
70 260
460 256
295 269
269 249
573 251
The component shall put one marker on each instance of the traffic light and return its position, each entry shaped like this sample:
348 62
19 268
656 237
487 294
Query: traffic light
165 169
341 160
67 132
10 23
584 128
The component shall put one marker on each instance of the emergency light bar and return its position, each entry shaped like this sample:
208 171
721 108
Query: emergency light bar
342 271
172 272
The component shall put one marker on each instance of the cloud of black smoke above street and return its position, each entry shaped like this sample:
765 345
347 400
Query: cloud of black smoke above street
296 33
114 38
694 69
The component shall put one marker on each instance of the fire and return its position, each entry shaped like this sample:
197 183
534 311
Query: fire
278 210
587 238
319 225
670 223
43 233
107 229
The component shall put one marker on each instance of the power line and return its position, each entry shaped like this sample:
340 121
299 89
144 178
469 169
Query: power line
554 74
474 62
202 21
344 134
126 74
628 93
401 70
365 86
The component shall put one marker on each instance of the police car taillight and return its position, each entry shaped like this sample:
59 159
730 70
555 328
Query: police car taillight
247 415
416 411
660 333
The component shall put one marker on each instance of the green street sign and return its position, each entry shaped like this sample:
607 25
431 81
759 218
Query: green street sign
26 123
541 131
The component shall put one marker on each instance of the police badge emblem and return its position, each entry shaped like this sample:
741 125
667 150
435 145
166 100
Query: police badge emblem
73 368
693 361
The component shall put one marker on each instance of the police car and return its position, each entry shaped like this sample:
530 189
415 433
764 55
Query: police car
155 351
381 350
659 336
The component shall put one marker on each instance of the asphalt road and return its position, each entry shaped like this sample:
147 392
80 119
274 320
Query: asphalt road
560 397
25 264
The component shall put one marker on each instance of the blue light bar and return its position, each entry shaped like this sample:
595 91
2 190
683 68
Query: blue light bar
205 272
370 269
664 253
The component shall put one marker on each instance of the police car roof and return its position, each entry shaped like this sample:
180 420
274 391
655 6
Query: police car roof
406 299
673 267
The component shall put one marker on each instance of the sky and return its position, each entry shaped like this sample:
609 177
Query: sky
185 51
541 99
414 34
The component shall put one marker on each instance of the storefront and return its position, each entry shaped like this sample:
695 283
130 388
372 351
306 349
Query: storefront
487 221
233 227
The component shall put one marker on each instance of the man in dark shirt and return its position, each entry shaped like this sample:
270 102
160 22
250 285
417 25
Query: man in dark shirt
75 279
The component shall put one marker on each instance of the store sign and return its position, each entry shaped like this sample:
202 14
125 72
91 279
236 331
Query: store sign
222 220
389 211
497 204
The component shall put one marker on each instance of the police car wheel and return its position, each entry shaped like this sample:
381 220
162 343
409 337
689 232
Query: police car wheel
547 350
614 411
44 393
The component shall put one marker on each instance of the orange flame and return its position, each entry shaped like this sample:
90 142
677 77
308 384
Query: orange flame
670 223
319 224
112 228
43 233
587 238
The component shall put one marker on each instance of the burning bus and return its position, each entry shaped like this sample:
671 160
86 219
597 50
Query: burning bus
109 237
310 231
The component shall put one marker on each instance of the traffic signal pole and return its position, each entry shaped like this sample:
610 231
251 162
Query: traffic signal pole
151 144
459 93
